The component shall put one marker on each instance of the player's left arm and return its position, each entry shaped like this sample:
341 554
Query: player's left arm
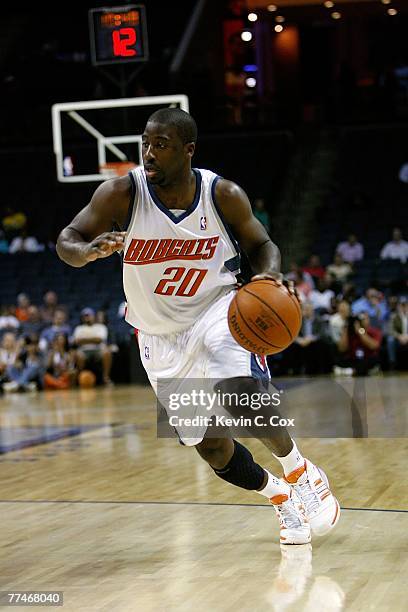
263 254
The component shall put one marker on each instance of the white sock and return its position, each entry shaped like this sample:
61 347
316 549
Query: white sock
292 461
274 486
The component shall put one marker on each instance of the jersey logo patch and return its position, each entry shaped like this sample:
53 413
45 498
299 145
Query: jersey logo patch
147 352
203 223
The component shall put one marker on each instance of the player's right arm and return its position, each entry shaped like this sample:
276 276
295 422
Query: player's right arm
89 236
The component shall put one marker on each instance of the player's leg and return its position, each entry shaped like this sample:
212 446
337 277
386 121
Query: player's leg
309 481
247 375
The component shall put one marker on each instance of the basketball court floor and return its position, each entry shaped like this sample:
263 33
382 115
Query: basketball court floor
94 505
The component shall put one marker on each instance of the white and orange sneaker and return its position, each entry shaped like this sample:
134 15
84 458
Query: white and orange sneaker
312 487
294 527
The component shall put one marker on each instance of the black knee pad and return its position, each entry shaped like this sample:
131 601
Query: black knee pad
242 470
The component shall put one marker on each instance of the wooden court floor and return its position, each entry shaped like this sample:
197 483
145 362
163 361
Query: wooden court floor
94 505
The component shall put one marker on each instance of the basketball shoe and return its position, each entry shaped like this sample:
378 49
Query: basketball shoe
312 487
294 527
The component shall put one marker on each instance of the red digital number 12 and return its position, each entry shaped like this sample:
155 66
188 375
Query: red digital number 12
123 39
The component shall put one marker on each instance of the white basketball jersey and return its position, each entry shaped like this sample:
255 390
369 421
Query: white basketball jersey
176 263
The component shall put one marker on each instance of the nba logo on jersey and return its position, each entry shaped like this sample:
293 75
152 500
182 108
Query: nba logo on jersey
147 352
203 223
261 361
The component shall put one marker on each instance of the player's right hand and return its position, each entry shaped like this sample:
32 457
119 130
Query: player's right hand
104 245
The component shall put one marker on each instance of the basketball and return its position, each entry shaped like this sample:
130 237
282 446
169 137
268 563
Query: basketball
264 317
86 379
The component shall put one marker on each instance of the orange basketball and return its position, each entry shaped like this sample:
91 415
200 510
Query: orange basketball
264 317
86 379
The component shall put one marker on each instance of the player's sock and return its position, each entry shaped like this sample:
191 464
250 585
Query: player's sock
241 470
274 486
292 461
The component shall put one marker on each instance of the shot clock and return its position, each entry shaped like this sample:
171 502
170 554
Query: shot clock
118 34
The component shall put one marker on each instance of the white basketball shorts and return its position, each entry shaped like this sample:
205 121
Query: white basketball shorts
204 350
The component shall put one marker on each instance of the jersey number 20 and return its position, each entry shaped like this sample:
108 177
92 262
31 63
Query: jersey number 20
186 283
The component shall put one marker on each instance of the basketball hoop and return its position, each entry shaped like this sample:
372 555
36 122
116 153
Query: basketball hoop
119 168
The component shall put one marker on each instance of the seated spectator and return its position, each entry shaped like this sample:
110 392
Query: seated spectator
359 346
33 325
374 305
314 268
102 317
49 306
26 372
397 248
23 302
91 338
322 298
338 321
8 321
60 372
311 351
261 213
397 340
351 250
9 350
303 288
295 271
59 326
339 269
25 244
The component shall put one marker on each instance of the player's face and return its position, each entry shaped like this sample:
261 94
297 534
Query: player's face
164 154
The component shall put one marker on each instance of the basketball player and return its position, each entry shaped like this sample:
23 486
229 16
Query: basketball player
181 228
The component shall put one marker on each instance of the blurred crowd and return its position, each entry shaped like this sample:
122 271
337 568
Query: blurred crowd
41 347
344 332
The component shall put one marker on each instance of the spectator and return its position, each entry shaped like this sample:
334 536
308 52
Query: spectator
338 321
314 268
59 326
295 271
25 374
8 354
359 346
60 372
374 305
261 213
397 248
23 302
397 340
91 338
322 298
339 269
351 250
310 352
50 305
8 322
33 325
25 244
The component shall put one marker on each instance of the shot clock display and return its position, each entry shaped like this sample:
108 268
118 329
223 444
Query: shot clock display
118 34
